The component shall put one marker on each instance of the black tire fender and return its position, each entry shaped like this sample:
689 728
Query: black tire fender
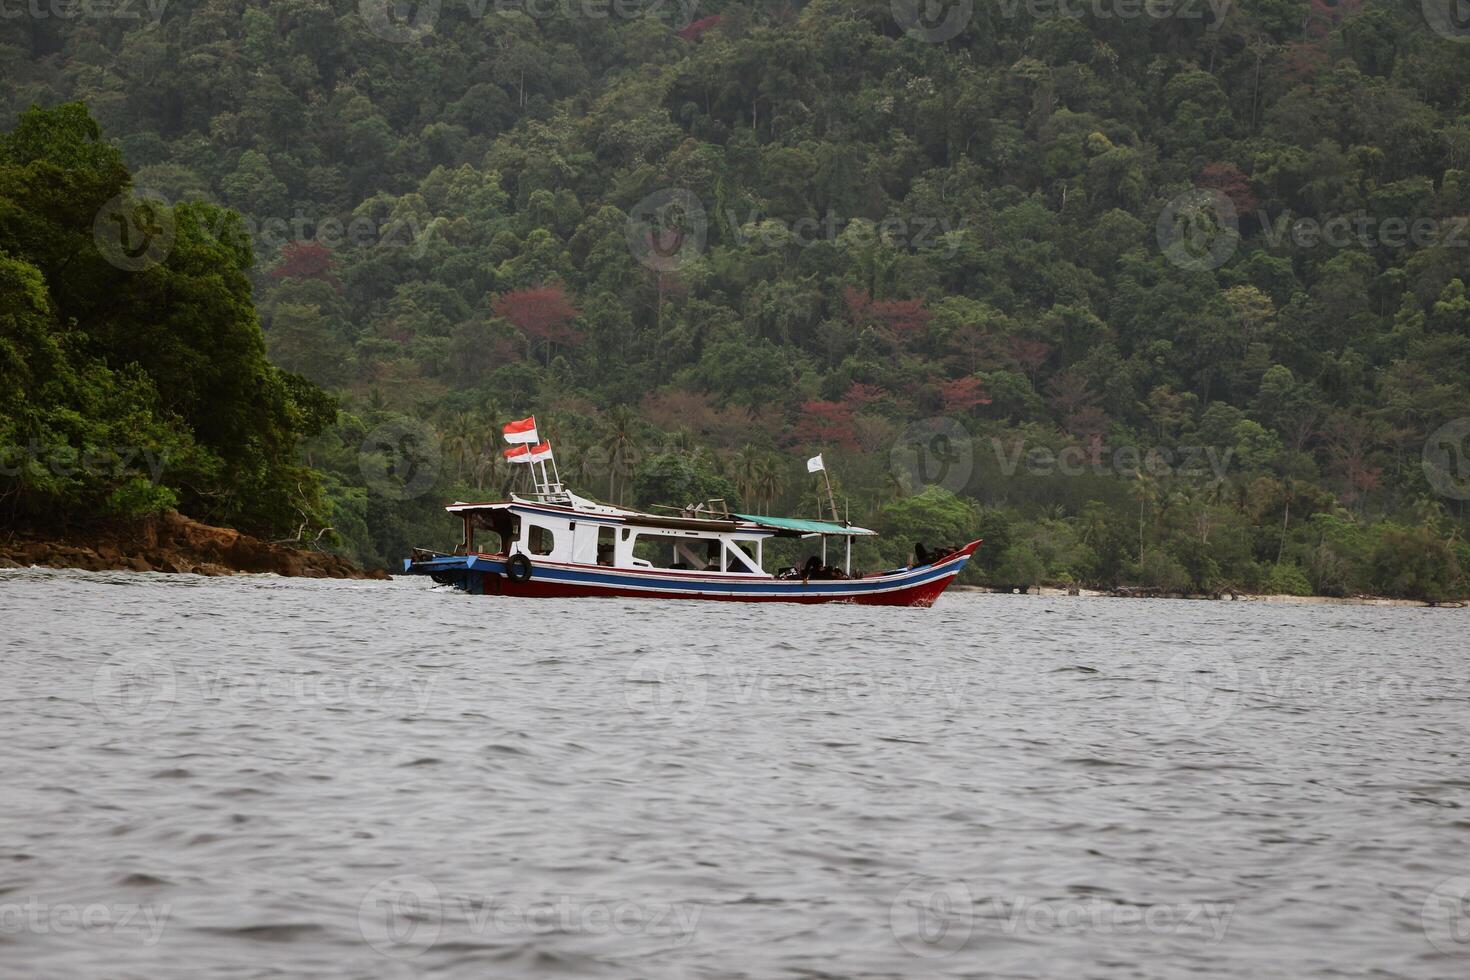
518 569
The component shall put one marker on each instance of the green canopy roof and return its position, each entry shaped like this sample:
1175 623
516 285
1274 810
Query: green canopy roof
803 527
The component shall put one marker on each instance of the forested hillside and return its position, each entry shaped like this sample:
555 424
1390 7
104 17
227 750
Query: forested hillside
1173 298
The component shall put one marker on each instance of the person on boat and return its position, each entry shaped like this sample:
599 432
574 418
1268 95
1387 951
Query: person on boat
812 568
921 554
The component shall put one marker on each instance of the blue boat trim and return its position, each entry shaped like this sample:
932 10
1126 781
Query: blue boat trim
906 578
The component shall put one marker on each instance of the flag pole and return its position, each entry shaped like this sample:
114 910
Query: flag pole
531 447
830 499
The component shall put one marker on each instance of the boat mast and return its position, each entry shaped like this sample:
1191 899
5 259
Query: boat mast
830 499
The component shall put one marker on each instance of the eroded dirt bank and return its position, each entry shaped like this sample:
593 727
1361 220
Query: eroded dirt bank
171 543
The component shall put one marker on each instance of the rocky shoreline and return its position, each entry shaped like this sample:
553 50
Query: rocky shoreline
172 543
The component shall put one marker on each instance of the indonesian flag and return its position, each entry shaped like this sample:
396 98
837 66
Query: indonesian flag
522 431
529 454
815 464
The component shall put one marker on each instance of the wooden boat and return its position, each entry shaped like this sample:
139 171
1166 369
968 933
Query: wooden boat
556 544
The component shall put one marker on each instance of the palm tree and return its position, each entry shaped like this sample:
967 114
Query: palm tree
744 469
460 438
619 444
681 440
767 482
488 463
1146 492
581 464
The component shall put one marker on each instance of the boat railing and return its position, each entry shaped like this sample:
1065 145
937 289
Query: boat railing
713 509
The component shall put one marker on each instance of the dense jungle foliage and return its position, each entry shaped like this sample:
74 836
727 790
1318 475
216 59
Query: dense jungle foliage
1177 301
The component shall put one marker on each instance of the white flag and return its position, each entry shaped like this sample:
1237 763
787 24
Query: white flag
815 463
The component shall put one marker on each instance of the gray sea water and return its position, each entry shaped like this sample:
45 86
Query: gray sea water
256 777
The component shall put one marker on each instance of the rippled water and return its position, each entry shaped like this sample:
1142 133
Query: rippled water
255 777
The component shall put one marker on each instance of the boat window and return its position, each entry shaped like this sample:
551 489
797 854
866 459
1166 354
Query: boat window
506 526
678 552
540 540
606 541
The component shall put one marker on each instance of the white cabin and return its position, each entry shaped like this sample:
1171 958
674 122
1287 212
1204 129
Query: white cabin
564 528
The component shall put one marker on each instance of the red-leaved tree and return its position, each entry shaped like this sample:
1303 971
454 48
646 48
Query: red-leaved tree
544 314
963 394
826 424
697 30
1228 179
306 260
904 319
